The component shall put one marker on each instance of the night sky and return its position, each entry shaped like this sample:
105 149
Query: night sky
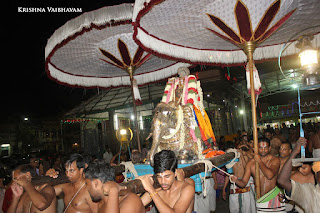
26 89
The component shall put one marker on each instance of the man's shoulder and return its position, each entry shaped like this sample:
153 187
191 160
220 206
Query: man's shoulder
274 158
46 186
64 186
131 198
187 188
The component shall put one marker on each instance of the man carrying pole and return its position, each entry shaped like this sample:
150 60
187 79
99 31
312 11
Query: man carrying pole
173 195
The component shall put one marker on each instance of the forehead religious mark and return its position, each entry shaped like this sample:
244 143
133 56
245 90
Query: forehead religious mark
161 174
263 144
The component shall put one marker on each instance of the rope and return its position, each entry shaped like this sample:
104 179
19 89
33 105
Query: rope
74 197
208 167
232 162
129 167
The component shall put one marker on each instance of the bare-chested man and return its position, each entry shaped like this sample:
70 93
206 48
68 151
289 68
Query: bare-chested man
102 188
307 195
269 168
268 164
76 196
26 197
285 150
241 200
173 195
314 142
274 143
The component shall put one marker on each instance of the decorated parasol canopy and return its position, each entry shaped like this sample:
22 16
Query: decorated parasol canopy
232 32
97 49
214 32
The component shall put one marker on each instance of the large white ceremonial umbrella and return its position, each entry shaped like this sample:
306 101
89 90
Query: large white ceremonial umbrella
229 32
97 49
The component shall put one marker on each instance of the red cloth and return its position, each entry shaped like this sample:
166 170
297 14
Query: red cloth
7 199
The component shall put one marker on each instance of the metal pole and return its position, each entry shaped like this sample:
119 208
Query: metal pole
249 48
130 70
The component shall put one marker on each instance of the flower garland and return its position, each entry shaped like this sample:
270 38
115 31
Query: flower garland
182 134
200 155
200 101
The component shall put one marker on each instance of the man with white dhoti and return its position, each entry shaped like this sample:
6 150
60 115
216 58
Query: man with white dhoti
269 167
205 202
241 199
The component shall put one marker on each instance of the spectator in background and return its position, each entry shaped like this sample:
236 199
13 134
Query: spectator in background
293 136
285 150
44 164
259 133
243 140
314 142
285 131
107 156
57 164
34 163
274 142
278 134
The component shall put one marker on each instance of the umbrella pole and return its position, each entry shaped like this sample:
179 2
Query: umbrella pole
249 48
130 70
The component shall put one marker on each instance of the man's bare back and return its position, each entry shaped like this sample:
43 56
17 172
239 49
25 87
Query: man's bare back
128 203
239 167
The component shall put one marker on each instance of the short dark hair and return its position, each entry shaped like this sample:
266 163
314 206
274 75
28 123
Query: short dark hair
268 130
24 168
101 170
289 144
79 159
165 160
264 139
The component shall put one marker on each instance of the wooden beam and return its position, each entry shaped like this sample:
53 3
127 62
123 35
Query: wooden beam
135 186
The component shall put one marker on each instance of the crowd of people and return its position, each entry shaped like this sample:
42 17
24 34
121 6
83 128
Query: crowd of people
276 149
93 186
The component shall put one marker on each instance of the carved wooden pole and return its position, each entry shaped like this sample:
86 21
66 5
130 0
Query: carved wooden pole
249 48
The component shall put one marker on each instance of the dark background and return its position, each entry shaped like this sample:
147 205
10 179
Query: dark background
26 90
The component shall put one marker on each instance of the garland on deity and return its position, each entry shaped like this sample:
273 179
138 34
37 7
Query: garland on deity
192 96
